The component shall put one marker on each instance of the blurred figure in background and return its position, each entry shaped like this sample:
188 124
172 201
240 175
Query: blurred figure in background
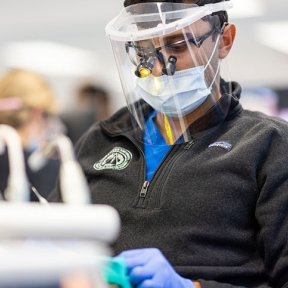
92 104
94 97
27 103
262 99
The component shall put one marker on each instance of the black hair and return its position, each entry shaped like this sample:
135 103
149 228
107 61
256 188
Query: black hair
93 93
223 16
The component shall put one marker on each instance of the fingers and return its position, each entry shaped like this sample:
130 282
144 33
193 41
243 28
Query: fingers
148 284
139 257
140 274
155 282
148 268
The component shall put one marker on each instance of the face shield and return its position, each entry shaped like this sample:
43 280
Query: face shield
168 61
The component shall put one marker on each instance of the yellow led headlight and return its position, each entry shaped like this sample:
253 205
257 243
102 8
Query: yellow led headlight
144 72
144 69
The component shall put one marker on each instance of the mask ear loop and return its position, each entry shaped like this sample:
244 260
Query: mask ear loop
209 61
212 54
218 66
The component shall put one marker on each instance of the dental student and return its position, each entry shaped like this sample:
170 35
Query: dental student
201 185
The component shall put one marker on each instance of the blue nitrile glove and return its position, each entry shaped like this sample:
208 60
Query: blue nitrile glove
148 268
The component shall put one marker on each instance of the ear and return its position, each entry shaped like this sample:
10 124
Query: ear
227 40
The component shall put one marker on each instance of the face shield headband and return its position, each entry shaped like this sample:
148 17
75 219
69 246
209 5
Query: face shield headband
126 26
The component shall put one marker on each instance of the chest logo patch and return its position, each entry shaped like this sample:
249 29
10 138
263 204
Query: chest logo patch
117 159
222 144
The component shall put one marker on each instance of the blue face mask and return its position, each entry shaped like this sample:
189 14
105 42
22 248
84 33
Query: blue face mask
180 94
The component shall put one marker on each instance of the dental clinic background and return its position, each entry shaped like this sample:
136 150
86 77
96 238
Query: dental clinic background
65 41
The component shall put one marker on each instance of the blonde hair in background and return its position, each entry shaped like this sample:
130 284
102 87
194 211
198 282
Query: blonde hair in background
22 91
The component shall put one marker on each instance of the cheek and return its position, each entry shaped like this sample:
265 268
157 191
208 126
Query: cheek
189 61
185 65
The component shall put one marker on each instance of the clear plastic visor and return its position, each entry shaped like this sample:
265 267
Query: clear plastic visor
171 81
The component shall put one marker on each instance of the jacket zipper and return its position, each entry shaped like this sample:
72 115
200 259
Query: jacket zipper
140 202
145 186
171 161
142 195
144 189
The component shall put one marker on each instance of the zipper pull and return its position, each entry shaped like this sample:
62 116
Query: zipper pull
144 189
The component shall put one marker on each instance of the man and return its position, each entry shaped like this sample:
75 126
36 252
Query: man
201 185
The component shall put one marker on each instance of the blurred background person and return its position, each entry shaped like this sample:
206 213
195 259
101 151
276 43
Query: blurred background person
260 98
94 97
28 104
92 104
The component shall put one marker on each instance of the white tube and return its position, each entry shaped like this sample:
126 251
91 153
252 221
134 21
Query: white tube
59 221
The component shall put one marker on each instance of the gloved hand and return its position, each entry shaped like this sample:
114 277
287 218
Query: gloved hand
148 268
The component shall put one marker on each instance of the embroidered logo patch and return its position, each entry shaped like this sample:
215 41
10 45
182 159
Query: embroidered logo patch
223 144
117 159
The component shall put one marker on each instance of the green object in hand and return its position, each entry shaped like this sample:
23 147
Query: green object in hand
115 272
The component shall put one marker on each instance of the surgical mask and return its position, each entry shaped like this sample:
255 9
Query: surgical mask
181 93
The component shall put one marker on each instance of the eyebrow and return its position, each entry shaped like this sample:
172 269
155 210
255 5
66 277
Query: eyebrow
179 37
173 38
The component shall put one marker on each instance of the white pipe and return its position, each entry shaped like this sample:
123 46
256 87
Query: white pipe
59 221
17 186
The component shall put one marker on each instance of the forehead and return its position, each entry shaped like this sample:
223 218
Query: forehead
196 29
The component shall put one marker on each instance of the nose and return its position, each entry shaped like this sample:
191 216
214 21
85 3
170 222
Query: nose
157 68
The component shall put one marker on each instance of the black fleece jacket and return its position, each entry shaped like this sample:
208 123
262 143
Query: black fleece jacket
217 207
